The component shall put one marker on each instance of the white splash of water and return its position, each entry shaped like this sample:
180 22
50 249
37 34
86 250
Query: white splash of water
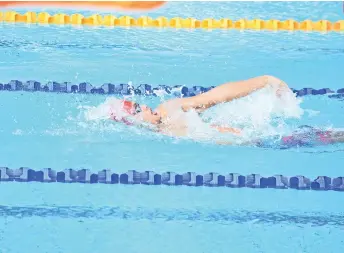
104 110
260 114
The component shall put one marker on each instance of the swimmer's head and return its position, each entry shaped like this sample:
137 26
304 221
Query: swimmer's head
147 115
131 107
139 112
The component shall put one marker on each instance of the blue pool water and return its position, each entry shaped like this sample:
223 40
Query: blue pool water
41 130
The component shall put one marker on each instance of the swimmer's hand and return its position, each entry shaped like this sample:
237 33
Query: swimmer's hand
283 89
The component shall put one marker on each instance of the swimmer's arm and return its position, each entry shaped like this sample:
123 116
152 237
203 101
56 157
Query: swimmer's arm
224 129
151 128
160 129
230 91
168 131
228 143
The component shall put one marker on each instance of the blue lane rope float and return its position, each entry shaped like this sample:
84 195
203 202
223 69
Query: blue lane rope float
212 179
142 89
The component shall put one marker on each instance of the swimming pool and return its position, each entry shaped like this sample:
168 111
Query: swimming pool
42 130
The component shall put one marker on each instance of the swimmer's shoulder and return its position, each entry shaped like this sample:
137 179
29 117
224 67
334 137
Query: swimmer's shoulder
169 107
172 130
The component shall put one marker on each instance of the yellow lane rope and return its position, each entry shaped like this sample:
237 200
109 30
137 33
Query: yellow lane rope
163 22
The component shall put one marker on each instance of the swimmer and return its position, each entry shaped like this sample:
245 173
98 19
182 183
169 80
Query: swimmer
170 117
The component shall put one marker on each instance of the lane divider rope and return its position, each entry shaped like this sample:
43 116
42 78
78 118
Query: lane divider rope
176 22
233 180
129 89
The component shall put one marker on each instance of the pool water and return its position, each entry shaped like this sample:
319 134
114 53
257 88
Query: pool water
40 130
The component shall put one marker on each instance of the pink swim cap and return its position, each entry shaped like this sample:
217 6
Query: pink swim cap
128 107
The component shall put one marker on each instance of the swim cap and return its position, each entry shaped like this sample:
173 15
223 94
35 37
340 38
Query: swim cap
128 107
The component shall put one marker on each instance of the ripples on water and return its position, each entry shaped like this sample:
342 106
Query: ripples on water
214 216
196 57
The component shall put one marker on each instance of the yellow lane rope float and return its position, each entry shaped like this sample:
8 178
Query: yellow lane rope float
177 22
